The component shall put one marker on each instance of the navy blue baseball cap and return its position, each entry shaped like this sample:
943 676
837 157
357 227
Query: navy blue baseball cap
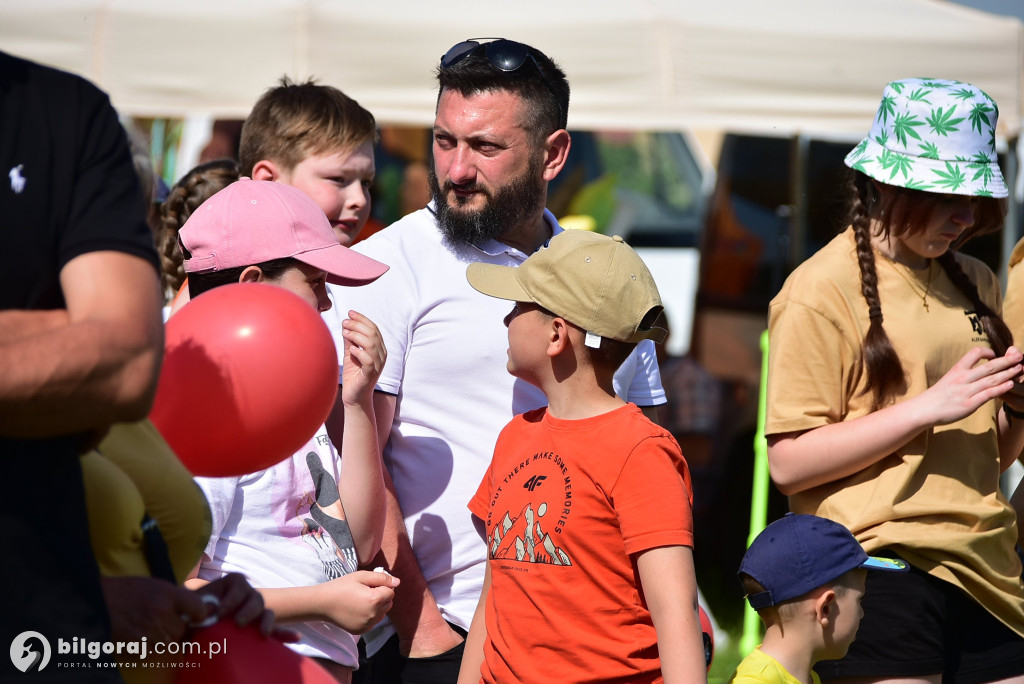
798 553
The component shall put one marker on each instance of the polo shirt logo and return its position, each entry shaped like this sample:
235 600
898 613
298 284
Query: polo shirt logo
17 180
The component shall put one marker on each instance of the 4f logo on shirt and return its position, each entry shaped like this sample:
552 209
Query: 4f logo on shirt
17 180
534 482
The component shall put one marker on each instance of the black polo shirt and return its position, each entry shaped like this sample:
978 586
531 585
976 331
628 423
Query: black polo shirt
67 187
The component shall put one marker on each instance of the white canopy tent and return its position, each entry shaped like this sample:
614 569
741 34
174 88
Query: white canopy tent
785 66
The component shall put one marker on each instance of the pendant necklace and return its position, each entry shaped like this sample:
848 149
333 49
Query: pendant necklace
915 286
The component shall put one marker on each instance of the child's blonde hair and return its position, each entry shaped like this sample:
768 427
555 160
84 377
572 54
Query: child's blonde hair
785 611
293 121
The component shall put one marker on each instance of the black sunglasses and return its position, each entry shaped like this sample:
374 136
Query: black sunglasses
503 54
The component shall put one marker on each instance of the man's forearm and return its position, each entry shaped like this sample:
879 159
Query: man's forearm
73 379
89 366
18 325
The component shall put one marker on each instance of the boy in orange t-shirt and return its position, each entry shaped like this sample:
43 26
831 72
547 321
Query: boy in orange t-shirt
587 503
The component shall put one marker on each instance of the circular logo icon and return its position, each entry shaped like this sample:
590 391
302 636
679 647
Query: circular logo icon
30 651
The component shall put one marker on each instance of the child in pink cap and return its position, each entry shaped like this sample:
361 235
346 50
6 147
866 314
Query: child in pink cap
298 530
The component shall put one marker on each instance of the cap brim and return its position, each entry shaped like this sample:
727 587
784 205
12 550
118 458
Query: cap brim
877 563
656 334
344 266
497 281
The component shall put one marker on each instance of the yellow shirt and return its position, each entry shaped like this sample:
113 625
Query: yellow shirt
761 668
132 472
936 500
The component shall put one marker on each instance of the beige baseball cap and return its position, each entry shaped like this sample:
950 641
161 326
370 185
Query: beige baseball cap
592 280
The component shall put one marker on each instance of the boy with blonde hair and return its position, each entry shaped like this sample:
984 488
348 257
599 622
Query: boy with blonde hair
319 140
585 496
804 575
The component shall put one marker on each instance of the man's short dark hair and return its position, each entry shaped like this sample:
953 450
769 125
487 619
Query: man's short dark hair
540 83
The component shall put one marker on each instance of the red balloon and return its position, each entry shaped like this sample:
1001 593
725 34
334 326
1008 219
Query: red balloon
250 373
241 655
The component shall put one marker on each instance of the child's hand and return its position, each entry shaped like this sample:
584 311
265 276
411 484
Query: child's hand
358 601
364 358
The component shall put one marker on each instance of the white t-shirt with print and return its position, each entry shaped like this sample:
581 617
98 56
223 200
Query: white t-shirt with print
270 527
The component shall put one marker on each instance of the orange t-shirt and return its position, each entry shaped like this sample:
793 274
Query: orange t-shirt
566 504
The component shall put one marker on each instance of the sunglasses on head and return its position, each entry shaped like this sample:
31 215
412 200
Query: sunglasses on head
501 53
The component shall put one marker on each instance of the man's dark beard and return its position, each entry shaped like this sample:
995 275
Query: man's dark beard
509 206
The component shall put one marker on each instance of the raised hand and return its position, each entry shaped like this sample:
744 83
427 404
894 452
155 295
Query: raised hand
365 355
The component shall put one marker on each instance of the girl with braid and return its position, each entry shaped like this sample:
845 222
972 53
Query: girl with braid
894 400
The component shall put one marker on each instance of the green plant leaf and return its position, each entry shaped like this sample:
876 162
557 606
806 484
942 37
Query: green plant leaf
964 94
984 173
941 122
919 95
929 150
887 107
983 168
903 125
979 115
901 164
952 178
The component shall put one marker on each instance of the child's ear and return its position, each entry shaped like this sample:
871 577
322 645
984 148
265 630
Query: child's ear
824 607
251 274
558 336
265 170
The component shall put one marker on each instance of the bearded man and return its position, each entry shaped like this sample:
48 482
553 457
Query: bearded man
499 138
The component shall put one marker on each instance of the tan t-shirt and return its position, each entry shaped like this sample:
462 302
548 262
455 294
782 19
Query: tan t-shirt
1013 306
935 501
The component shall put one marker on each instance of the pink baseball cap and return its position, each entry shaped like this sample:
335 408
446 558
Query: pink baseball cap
250 222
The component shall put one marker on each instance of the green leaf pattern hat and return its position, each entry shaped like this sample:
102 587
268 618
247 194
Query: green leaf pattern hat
934 135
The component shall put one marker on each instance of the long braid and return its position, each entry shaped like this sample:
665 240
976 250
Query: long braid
999 335
187 194
885 377
172 270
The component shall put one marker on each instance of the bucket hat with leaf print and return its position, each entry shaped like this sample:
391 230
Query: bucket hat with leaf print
934 135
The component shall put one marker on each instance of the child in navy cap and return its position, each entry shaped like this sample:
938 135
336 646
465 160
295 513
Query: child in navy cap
804 575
